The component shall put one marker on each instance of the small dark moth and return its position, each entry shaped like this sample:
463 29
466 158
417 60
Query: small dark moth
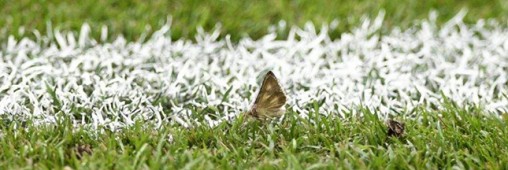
270 100
395 128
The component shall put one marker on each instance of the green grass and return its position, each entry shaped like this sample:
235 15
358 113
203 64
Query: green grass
239 18
462 137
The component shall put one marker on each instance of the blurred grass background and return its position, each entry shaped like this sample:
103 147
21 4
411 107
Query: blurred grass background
238 18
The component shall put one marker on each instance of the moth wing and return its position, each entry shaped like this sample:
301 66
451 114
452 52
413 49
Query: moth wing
271 95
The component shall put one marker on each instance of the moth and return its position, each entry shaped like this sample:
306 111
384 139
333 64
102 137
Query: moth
395 128
270 100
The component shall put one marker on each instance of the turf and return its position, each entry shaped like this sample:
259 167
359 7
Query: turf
238 18
88 99
449 138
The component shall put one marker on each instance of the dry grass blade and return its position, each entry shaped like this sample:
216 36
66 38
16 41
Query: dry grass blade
81 150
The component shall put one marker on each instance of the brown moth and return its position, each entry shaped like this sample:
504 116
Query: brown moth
395 128
270 100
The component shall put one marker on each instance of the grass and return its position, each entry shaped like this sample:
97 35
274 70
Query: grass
238 18
462 137
467 138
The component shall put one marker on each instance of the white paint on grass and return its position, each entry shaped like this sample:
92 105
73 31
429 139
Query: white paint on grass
114 84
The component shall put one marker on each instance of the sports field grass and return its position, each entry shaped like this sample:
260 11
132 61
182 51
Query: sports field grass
461 138
237 18
72 98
